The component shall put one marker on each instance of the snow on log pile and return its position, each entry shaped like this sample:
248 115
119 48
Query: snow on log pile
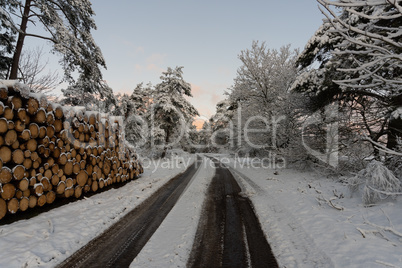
48 151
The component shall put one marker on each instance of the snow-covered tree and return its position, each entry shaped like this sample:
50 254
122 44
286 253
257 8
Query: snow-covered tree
142 98
81 93
261 89
135 125
221 125
8 36
68 24
358 53
170 111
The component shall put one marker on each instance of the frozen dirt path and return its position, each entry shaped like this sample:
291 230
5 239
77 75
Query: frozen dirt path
229 233
119 245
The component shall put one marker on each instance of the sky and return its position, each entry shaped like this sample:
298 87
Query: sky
140 39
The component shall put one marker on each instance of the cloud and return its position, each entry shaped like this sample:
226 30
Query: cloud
152 63
205 97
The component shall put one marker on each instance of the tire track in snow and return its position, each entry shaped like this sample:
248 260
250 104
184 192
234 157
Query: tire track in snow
286 235
119 245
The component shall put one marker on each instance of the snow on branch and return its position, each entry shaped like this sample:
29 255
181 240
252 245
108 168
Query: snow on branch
381 147
327 4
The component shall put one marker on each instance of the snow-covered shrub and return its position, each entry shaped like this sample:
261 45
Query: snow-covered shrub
376 181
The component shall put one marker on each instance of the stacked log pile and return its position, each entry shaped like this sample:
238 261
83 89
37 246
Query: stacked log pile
48 151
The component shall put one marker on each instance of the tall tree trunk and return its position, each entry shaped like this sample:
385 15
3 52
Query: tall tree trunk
20 41
166 143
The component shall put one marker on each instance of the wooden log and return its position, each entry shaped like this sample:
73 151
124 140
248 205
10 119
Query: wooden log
76 168
5 154
51 162
58 112
50 118
25 135
3 93
38 189
36 164
82 178
69 183
48 173
22 115
10 124
3 208
87 188
69 192
19 126
34 155
41 200
40 116
101 183
18 156
18 172
15 145
1 108
8 113
42 132
23 184
34 129
13 206
11 137
33 201
55 179
61 187
50 197
31 145
94 186
5 175
7 191
50 131
16 102
47 186
32 106
26 193
56 152
24 203
78 191
62 160
18 194
3 125
68 168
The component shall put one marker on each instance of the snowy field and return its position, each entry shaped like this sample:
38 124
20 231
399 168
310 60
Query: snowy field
310 221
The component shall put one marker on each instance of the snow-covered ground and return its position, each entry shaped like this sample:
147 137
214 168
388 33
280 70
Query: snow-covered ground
51 237
171 244
310 221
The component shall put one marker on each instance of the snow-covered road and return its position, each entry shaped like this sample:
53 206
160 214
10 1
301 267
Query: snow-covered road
310 221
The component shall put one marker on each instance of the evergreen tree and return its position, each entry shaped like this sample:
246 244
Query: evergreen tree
68 24
8 33
170 111
358 53
82 93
